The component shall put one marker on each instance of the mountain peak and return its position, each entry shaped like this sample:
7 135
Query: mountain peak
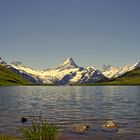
105 67
68 60
17 63
68 63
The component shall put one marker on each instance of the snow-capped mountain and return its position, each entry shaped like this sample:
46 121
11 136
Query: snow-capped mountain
88 75
66 73
25 75
17 68
114 72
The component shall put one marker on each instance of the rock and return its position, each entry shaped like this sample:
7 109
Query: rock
110 126
80 127
23 119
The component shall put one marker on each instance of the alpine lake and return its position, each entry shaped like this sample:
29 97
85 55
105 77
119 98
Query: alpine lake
70 105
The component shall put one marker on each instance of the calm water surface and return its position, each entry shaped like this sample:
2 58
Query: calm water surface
69 105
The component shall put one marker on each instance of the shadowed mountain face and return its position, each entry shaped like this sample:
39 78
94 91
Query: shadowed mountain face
26 76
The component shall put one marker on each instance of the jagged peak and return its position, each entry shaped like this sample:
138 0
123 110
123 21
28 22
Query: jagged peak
90 67
68 63
68 60
105 67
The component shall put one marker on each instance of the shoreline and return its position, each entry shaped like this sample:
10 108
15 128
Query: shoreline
82 85
95 136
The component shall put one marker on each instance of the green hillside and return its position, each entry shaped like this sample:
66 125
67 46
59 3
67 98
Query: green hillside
7 77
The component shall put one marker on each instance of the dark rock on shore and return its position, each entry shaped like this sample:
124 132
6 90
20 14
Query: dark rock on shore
23 119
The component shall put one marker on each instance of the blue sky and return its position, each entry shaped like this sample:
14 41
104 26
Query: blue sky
41 33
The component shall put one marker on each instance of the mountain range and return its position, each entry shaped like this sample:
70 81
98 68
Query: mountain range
69 73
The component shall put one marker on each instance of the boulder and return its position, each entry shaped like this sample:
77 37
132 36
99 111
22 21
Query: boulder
110 126
80 127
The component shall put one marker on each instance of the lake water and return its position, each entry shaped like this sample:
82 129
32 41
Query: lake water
68 105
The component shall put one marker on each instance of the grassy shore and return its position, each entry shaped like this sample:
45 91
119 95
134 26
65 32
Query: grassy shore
36 131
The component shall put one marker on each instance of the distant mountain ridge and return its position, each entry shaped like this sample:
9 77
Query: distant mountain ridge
129 78
114 72
69 73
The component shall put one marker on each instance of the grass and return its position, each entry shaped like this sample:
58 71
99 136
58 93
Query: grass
40 131
7 77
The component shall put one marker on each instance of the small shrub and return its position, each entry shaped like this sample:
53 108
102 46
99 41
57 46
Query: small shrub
40 131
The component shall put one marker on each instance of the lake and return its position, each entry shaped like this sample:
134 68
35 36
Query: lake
70 105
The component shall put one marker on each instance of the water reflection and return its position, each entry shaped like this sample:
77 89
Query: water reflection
68 105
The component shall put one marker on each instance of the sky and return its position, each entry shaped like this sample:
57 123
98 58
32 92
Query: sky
42 33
